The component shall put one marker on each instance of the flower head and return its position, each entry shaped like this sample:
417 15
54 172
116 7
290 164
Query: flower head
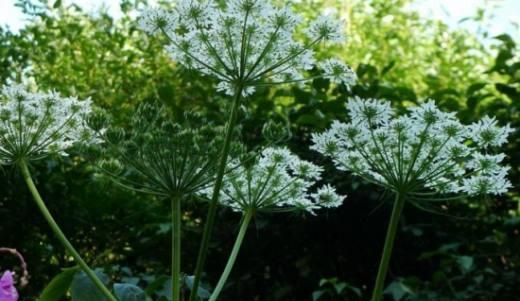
7 289
326 27
425 152
486 132
277 181
338 72
34 125
158 156
246 43
155 20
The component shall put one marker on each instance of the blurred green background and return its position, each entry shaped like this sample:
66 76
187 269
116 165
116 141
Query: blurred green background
467 250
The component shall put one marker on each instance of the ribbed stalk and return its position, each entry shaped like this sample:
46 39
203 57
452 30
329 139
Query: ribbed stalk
176 248
389 245
212 210
61 237
233 256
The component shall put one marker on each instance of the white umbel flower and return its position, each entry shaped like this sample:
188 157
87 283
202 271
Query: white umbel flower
425 152
246 43
327 28
277 181
327 197
153 21
338 72
486 132
34 125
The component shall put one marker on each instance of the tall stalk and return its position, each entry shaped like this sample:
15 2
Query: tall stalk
176 248
61 236
233 256
212 210
389 244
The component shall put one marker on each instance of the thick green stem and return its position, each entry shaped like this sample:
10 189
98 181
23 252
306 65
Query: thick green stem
176 248
212 210
389 244
62 238
233 256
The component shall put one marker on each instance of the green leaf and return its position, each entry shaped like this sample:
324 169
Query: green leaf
83 289
474 88
156 284
465 263
201 292
327 281
500 62
507 40
398 290
129 292
317 295
512 221
57 4
368 70
339 287
354 289
509 90
388 67
59 285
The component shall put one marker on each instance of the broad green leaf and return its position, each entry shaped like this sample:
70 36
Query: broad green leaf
339 287
59 285
83 289
129 292
353 289
57 4
508 41
474 88
465 263
201 291
398 290
317 295
156 285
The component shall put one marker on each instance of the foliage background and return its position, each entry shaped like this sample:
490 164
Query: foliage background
460 251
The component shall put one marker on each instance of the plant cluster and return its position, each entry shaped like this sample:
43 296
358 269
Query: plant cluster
426 152
416 156
156 155
424 155
247 43
278 181
33 125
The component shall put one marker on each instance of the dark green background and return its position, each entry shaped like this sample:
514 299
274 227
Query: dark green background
462 251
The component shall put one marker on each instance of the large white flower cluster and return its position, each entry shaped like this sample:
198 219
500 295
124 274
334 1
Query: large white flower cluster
249 42
33 125
425 152
277 181
155 155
